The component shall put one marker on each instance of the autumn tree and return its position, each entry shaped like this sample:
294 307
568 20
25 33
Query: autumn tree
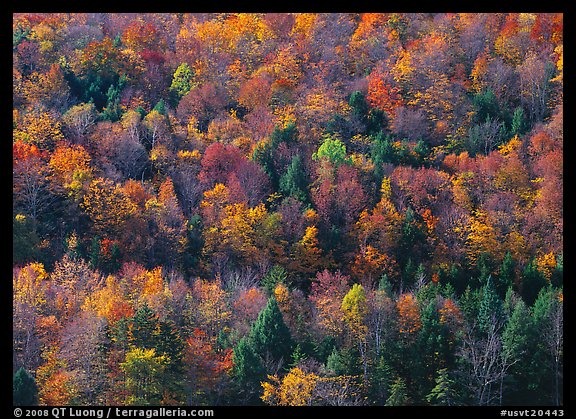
144 375
30 183
295 389
355 311
107 206
206 369
78 120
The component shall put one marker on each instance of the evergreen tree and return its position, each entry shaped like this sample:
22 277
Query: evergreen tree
398 393
276 275
248 370
359 105
515 348
297 356
24 389
489 308
294 182
519 125
429 352
344 361
445 391
379 381
270 334
381 152
385 285
532 282
160 107
506 275
558 273
143 328
484 269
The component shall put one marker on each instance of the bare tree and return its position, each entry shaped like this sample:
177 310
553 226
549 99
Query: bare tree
554 341
82 343
487 362
78 120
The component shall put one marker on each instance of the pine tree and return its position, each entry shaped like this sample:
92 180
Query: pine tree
379 381
297 356
294 182
515 346
506 275
532 282
248 370
276 275
344 361
398 393
24 389
519 124
270 334
489 308
444 392
144 325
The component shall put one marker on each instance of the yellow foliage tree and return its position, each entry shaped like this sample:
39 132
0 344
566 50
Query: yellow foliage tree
29 285
71 169
107 206
481 237
306 255
295 389
546 264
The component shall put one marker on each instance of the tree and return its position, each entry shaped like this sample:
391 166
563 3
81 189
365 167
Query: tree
71 170
78 120
248 370
108 207
24 389
306 254
547 356
328 291
331 149
42 129
30 183
206 369
294 182
506 276
276 275
156 126
182 81
445 392
383 94
271 337
398 393
355 311
295 389
533 281
515 342
409 314
144 376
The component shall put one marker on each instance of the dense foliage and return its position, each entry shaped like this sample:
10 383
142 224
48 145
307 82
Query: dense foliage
288 209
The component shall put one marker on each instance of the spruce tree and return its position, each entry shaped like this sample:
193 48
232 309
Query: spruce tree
444 392
270 334
489 308
24 389
398 394
294 182
248 370
506 275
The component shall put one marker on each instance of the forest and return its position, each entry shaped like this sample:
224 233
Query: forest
287 209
